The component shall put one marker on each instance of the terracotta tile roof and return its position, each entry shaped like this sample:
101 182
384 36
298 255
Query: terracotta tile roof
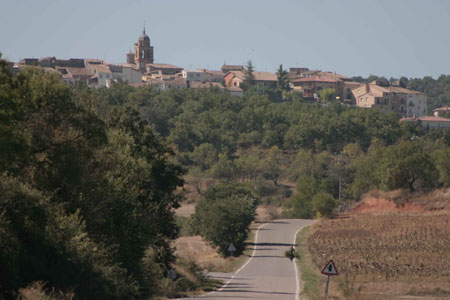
232 67
101 68
264 76
259 76
333 75
133 66
164 66
379 91
433 119
79 71
426 118
238 74
443 109
315 79
215 72
397 89
234 89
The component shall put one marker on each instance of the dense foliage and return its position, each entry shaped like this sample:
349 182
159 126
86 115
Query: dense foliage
224 214
262 138
86 202
89 178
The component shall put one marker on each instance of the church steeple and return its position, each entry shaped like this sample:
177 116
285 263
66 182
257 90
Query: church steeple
143 51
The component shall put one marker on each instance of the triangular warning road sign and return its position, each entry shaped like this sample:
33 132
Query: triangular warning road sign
231 248
330 269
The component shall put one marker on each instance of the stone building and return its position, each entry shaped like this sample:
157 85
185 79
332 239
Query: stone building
386 99
143 52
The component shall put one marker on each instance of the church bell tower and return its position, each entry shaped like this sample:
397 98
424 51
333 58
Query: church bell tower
143 52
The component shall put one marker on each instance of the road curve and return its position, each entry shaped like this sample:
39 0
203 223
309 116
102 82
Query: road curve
268 274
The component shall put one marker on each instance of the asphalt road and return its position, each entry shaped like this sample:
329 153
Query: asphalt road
268 274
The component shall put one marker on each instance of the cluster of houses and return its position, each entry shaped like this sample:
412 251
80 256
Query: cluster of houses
140 69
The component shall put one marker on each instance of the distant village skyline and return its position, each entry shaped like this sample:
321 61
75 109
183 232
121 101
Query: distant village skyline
351 37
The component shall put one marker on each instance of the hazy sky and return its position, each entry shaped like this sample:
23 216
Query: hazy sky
351 37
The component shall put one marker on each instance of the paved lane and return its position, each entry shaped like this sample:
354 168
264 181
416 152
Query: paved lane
268 274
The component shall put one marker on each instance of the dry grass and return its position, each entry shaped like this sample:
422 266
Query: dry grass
383 250
196 249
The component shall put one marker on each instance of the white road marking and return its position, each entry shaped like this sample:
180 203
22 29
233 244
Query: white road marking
242 267
294 261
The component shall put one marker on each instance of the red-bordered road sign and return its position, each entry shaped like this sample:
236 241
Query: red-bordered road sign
330 269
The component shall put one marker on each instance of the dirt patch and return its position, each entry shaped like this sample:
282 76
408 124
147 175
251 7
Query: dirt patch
371 203
195 248
264 213
267 213
186 209
403 201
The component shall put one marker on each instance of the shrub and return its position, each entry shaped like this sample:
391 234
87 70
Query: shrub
324 204
224 215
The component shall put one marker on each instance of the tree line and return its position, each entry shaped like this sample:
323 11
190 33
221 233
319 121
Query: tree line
90 178
86 200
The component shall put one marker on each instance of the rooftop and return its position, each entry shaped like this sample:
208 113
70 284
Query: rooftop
426 118
164 66
315 79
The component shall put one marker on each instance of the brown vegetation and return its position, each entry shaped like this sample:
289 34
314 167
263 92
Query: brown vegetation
385 250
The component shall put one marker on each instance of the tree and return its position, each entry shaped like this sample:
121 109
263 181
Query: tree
282 80
224 215
406 165
300 204
442 162
204 156
324 204
249 77
271 165
85 199
327 95
224 169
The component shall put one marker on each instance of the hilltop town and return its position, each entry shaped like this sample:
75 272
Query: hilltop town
142 180
140 69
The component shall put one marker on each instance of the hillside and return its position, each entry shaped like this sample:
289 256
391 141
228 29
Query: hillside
388 250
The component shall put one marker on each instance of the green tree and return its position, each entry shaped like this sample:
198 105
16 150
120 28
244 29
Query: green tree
224 215
249 77
324 204
406 165
300 205
204 156
224 169
272 163
442 163
282 80
327 95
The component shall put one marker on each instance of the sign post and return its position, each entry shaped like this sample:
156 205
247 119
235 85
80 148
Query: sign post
329 270
231 249
172 274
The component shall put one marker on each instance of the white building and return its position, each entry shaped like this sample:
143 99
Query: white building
203 75
104 74
430 122
416 104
